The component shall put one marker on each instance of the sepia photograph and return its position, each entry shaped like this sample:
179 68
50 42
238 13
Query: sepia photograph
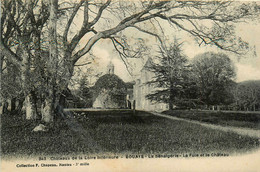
129 85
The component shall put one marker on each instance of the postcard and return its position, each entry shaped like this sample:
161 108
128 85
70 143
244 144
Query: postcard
120 85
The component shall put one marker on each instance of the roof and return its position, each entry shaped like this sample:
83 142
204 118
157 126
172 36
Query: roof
130 84
148 63
109 81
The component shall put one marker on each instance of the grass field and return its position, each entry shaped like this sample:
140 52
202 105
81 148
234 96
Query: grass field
239 119
117 132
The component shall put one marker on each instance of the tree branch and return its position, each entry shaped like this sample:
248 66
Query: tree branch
100 11
67 27
122 56
128 21
86 27
150 33
10 56
83 64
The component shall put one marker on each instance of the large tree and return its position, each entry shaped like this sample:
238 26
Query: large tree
50 101
20 42
214 74
171 75
210 22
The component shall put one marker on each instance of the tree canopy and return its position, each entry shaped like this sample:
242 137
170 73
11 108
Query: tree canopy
213 73
247 95
171 73
112 83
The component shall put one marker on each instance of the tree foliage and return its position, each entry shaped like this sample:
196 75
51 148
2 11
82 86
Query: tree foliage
111 82
84 93
171 75
247 95
214 74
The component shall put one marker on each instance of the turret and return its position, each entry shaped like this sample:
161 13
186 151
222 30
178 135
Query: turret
110 68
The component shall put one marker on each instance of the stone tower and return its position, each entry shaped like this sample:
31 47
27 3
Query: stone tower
110 68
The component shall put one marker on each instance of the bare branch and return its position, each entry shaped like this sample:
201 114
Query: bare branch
86 27
86 17
67 27
206 38
10 56
87 47
82 64
122 56
100 11
150 33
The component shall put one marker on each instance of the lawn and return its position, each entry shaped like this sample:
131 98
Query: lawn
239 119
116 132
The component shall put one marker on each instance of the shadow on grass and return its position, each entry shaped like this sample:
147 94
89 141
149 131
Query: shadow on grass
116 132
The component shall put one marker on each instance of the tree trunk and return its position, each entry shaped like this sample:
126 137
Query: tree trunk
25 71
170 106
62 100
29 108
20 105
1 95
5 106
47 108
13 104
171 98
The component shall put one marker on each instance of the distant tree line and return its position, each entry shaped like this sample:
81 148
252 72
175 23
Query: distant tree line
205 82
246 95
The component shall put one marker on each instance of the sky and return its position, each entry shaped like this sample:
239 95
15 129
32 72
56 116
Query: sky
248 67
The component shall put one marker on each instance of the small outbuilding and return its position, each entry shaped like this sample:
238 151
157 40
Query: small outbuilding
110 91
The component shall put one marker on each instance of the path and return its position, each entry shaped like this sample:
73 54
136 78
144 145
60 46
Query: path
240 131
